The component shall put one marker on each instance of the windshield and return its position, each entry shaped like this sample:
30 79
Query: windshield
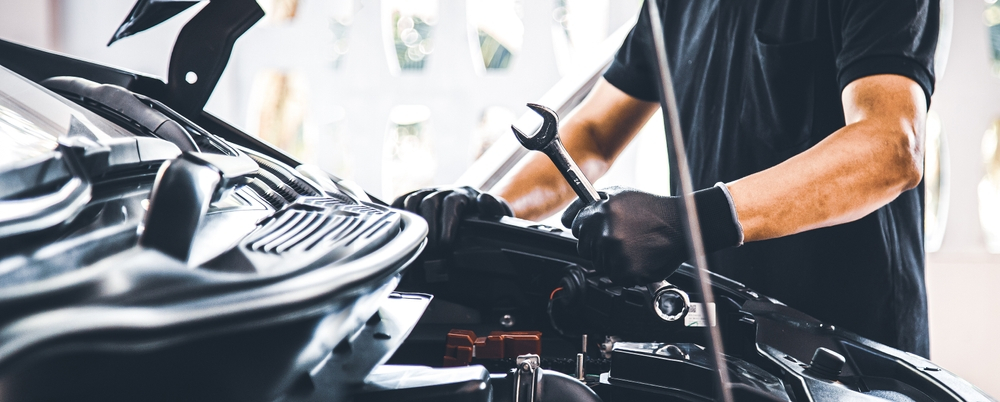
21 140
32 119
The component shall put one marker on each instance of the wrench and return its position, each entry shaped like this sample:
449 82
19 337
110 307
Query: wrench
546 140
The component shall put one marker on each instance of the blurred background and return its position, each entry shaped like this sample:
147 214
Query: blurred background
401 94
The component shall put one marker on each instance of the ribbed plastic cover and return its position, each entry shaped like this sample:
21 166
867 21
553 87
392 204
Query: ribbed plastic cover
319 222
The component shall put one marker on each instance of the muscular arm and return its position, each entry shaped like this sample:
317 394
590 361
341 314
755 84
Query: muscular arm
854 171
594 134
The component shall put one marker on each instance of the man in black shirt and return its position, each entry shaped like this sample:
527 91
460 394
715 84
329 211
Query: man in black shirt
803 123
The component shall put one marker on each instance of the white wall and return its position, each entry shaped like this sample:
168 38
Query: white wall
27 22
963 280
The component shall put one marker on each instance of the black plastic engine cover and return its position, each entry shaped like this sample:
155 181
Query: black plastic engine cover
683 371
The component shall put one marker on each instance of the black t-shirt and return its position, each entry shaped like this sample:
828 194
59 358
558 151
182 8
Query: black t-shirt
758 81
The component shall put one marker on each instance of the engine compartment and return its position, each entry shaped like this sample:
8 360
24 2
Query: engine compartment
178 258
501 279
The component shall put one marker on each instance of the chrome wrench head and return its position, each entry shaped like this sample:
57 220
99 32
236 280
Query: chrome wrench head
548 132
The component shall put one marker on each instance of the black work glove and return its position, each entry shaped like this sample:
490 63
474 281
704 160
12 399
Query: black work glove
445 207
636 237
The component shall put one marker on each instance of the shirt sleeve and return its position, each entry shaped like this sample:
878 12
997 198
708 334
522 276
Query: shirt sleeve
889 37
633 70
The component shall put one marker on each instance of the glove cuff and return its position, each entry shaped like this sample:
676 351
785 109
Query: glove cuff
732 209
720 227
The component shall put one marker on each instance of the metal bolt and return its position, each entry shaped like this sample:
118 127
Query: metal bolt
507 321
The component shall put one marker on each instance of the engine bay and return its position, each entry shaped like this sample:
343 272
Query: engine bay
150 251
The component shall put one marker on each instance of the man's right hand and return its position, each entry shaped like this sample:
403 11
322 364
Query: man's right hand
445 207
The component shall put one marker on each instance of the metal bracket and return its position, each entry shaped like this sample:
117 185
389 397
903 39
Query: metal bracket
526 377
202 51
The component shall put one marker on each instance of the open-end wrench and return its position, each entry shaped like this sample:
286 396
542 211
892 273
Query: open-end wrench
546 140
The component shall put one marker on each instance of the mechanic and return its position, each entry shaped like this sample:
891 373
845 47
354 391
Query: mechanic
804 126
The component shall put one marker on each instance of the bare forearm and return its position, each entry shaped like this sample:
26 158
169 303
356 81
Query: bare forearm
851 173
595 134
535 188
830 184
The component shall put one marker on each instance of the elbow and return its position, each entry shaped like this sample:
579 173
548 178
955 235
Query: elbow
912 177
908 160
894 109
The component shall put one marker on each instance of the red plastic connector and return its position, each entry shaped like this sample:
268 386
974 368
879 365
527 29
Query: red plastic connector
463 345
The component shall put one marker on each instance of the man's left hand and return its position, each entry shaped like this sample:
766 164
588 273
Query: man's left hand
632 236
636 237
